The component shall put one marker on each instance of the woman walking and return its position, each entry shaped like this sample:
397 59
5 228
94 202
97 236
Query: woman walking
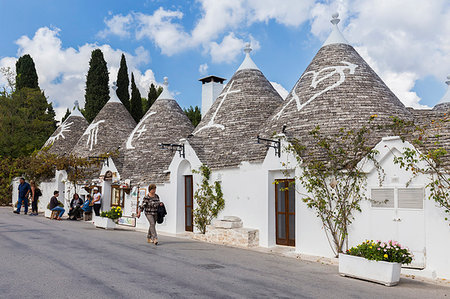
35 193
150 205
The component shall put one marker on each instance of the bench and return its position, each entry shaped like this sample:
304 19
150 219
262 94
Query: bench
87 216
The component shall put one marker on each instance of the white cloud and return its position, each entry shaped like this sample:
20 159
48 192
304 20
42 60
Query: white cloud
62 71
219 20
203 69
280 89
286 12
161 29
118 25
227 50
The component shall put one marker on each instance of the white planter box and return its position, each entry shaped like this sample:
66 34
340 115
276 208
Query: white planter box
376 271
103 222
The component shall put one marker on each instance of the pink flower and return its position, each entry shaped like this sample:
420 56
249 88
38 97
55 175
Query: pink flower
379 248
385 250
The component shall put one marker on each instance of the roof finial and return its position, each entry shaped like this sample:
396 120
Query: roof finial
114 87
335 36
76 104
248 62
166 81
448 80
335 18
247 48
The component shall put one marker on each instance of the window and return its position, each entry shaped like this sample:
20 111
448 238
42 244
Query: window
383 198
410 198
117 196
401 198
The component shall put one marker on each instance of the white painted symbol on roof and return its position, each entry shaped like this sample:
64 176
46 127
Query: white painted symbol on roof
211 123
92 131
138 129
64 128
335 70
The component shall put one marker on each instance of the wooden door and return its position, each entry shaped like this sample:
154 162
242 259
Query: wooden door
285 212
188 203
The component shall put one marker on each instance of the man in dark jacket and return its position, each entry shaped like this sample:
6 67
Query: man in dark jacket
54 205
75 207
24 192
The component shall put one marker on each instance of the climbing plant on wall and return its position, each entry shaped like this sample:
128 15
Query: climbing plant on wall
209 200
430 156
331 174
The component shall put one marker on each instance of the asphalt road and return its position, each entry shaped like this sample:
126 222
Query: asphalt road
44 258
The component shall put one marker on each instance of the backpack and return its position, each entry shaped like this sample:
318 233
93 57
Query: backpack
38 192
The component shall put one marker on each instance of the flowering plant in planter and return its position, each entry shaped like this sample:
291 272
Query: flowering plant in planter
114 213
390 251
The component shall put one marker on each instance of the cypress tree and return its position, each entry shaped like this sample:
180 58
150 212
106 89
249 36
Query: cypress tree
153 94
136 101
194 115
26 75
65 115
123 83
97 89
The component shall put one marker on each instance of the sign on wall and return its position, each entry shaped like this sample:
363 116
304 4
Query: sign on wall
127 221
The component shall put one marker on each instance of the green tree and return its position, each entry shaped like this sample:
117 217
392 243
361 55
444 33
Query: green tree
26 75
194 115
209 199
26 123
123 83
97 89
65 115
334 180
136 101
144 106
153 94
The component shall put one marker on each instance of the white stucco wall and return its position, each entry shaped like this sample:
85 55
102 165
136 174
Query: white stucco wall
411 225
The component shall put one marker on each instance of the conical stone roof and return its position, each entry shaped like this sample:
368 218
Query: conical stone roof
144 161
226 136
337 90
108 130
66 136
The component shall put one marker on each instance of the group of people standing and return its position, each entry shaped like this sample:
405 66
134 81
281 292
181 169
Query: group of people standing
28 192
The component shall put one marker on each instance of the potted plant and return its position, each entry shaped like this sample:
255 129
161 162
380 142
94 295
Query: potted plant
108 219
378 261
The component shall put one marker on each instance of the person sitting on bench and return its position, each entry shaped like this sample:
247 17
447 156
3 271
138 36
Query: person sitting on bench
54 205
87 206
75 207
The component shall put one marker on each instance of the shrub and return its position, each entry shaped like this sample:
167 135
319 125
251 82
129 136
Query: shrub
390 251
114 213
209 199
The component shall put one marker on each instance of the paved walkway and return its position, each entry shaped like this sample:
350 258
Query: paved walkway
43 258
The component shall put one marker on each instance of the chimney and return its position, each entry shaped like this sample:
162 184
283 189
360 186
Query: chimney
211 88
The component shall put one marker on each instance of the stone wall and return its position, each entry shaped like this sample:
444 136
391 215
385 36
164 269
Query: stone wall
233 234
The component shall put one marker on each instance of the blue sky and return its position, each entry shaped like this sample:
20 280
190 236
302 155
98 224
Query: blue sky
406 42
